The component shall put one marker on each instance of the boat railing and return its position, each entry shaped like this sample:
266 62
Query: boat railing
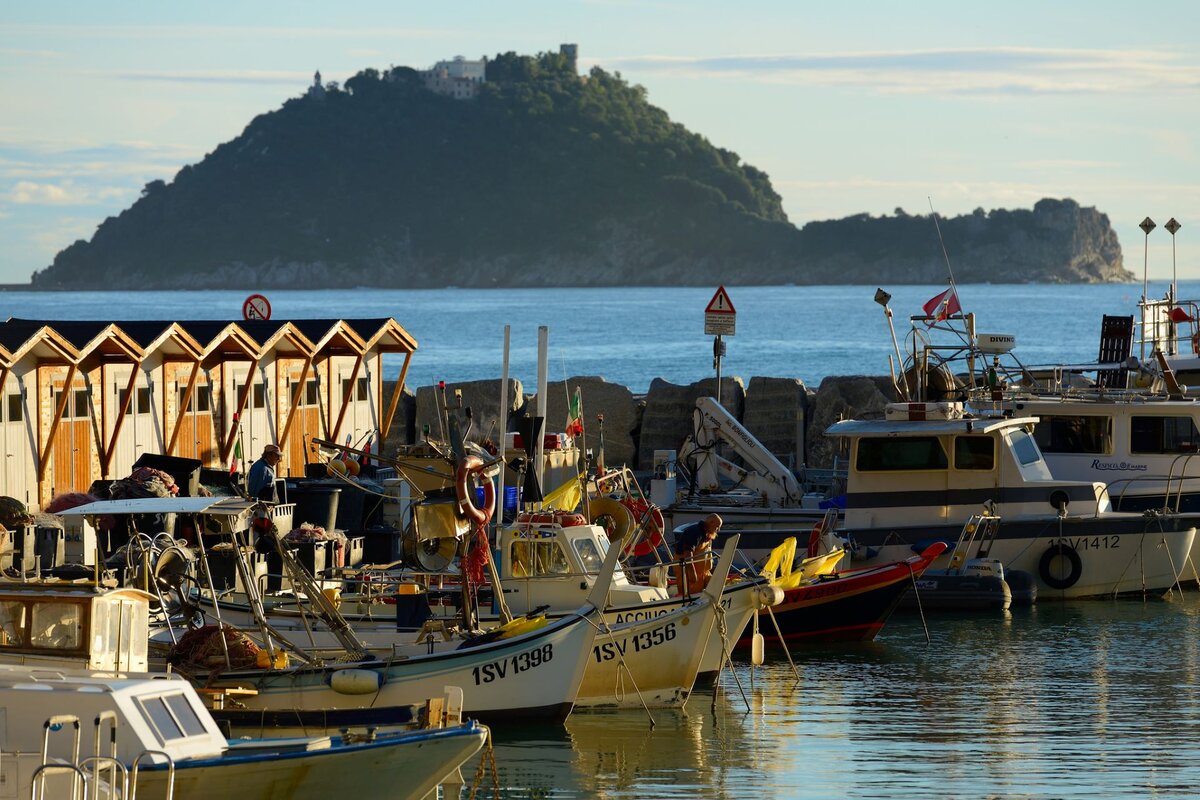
101 765
137 763
79 782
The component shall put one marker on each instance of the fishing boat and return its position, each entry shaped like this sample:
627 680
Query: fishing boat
651 646
152 736
535 674
845 606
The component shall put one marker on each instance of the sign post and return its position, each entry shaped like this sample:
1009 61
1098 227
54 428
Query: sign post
256 306
720 319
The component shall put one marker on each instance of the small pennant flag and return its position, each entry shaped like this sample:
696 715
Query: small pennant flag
237 451
943 305
1179 315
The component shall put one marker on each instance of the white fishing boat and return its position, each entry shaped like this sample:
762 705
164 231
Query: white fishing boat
153 737
533 675
922 472
547 568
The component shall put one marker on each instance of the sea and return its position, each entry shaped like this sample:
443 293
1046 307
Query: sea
633 335
1096 699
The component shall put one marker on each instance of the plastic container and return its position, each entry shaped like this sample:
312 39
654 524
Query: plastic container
315 503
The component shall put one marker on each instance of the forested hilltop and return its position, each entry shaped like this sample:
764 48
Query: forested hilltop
542 177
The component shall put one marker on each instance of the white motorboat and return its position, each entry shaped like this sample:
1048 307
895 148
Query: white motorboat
152 735
919 474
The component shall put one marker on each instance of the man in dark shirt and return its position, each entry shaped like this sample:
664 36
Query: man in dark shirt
260 482
690 543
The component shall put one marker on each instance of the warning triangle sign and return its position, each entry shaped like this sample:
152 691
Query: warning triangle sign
720 303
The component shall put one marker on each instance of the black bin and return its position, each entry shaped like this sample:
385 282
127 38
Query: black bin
316 504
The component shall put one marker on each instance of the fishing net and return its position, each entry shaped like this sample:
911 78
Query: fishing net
201 649
61 502
145 482
13 513
478 558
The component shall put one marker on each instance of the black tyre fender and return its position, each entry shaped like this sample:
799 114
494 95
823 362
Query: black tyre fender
1071 555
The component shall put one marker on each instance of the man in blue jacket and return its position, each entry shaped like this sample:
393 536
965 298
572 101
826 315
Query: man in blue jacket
260 482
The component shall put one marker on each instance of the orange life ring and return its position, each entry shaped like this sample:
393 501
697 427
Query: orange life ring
471 465
654 531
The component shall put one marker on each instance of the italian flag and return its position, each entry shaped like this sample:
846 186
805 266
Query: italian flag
575 414
237 448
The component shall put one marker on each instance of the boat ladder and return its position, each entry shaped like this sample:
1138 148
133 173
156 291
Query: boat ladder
981 528
105 775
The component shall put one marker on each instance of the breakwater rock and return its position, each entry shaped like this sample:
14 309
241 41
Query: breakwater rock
787 417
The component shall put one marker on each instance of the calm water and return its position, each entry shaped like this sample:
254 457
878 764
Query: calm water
1084 700
1078 700
630 336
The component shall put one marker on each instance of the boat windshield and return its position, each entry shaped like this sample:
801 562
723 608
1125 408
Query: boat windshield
1025 448
589 555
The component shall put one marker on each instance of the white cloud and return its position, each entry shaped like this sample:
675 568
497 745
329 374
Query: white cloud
1001 70
31 193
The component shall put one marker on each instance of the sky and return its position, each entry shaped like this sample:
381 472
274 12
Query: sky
849 107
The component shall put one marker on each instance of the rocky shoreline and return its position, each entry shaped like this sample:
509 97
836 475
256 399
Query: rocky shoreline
786 416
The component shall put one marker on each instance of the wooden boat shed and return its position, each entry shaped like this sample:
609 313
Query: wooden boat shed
82 401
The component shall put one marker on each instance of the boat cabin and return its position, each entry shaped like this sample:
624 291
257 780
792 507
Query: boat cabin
939 466
163 715
74 626
1141 446
553 559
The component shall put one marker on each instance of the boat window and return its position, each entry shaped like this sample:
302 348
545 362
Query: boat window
589 555
519 559
1085 434
974 452
532 558
12 623
1163 435
159 716
185 715
1024 447
550 559
56 625
903 453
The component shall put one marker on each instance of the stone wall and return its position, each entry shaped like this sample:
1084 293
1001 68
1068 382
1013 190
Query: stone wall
782 413
599 396
667 420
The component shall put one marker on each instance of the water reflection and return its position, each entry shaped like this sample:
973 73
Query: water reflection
1078 700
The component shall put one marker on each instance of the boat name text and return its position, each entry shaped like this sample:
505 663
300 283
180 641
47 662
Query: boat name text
1117 466
497 670
607 651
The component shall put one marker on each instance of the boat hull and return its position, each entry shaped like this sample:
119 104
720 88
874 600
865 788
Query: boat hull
534 676
848 606
410 764
1071 558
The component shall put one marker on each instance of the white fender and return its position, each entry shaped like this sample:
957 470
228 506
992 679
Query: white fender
355 681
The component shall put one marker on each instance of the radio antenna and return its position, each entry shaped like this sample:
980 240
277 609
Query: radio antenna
942 242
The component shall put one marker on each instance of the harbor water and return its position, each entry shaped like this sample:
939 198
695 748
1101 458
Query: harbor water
1065 700
633 335
1077 700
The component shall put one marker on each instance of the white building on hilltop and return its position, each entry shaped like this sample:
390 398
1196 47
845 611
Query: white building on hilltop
458 78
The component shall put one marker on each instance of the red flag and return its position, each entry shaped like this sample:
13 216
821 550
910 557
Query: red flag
1179 315
943 305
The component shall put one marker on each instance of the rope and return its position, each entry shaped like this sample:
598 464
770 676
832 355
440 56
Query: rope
726 658
621 665
782 642
913 577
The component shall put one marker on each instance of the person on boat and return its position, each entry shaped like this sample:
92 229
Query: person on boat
691 543
260 481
